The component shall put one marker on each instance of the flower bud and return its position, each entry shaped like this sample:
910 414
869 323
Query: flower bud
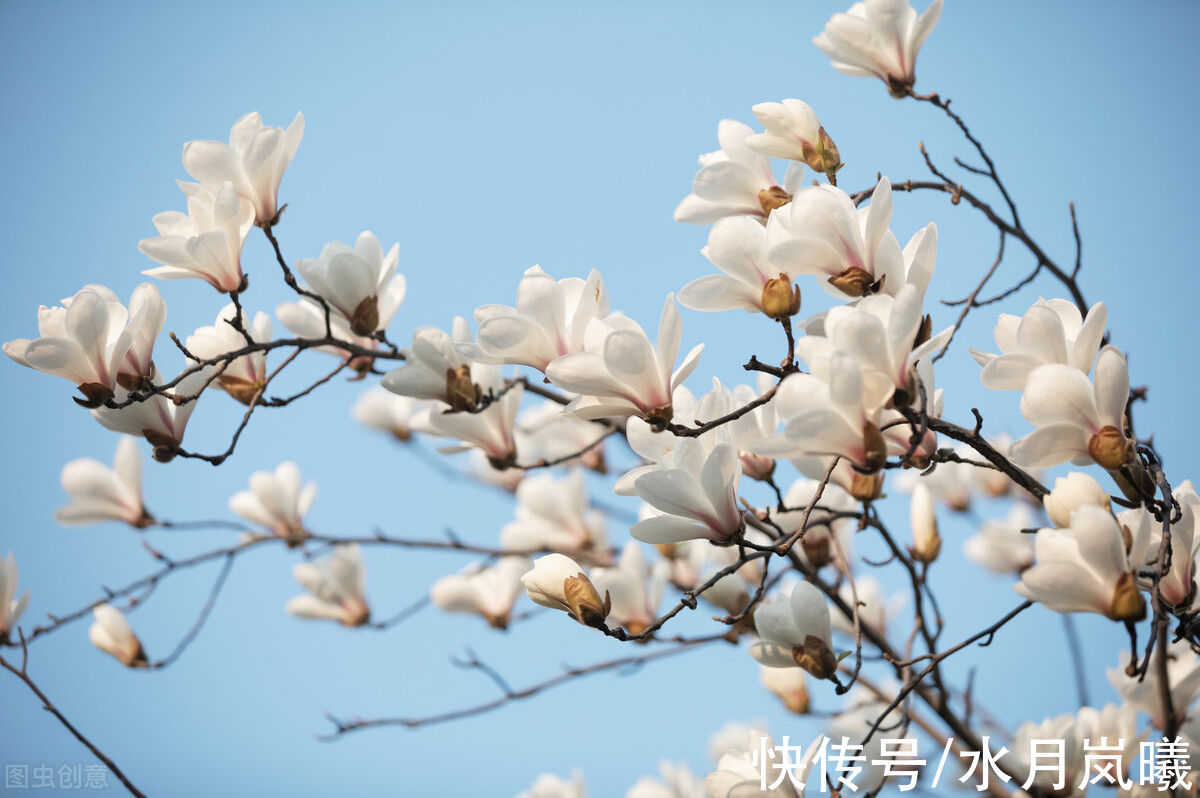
780 298
1111 449
816 657
461 392
791 685
771 198
558 582
855 282
824 157
866 487
1070 493
927 543
111 633
240 389
1127 601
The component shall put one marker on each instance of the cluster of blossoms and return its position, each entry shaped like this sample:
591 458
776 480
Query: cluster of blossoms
853 399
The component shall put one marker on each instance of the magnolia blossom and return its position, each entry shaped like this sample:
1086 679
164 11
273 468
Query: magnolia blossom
821 233
306 318
99 493
653 444
741 773
277 502
110 632
621 374
489 591
737 246
86 341
636 588
737 738
1177 588
796 631
206 242
674 781
1000 545
1088 567
491 430
336 588
386 411
794 131
691 563
147 312
558 582
10 606
244 377
789 684
1065 731
696 491
816 546
549 785
254 161
157 418
360 283
1070 493
548 321
876 609
950 483
879 38
1145 692
1077 419
1049 332
553 513
927 543
736 181
434 368
545 433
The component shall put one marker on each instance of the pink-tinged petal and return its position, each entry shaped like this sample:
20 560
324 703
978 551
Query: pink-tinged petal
1087 341
210 161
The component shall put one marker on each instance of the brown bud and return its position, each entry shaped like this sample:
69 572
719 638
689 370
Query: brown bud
866 487
824 156
874 447
855 282
1111 449
771 198
780 298
660 417
96 393
899 87
133 382
240 389
816 657
365 319
165 447
818 549
924 332
461 392
503 463
584 602
1127 602
497 621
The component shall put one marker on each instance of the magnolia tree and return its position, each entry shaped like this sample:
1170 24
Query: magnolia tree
753 498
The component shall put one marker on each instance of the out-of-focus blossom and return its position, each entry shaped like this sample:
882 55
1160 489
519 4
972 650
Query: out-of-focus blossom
792 130
206 242
741 773
491 430
737 246
277 502
11 607
949 482
545 433
1145 693
1000 546
254 161
736 181
336 588
1050 332
737 738
553 513
158 418
306 319
696 491
549 785
816 546
674 781
485 590
795 631
1178 586
360 283
386 411
636 588
879 38
1088 567
927 543
479 468
111 633
621 374
876 608
1072 492
790 685
558 582
99 493
863 709
434 368
549 320
1077 419
244 377
1064 731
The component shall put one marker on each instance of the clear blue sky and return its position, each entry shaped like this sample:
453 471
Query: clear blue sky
486 138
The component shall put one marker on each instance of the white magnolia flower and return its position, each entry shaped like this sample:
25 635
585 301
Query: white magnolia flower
157 418
735 181
434 368
85 341
10 606
1077 419
549 785
1049 332
1145 692
1087 567
99 493
696 491
545 433
147 312
558 582
1000 546
277 502
360 283
489 591
491 430
796 631
1072 492
1063 730
111 633
816 546
386 411
636 588
850 249
548 321
254 160
876 608
244 377
741 773
621 374
737 738
674 781
737 246
652 444
927 543
1177 587
206 242
553 513
789 684
793 131
336 588
306 319
879 38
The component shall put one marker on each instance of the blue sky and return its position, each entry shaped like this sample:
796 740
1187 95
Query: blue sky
486 138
